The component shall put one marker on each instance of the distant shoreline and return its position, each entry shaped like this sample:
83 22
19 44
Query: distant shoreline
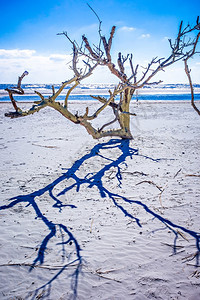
88 92
102 89
96 101
164 93
150 97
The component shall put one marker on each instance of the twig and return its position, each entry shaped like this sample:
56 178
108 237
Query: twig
182 235
193 265
177 173
196 274
37 266
177 253
151 182
44 146
192 175
99 273
191 256
135 173
172 246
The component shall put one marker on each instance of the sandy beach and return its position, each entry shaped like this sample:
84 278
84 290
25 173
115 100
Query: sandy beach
100 219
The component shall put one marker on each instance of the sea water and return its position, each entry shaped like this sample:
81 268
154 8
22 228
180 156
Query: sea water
167 92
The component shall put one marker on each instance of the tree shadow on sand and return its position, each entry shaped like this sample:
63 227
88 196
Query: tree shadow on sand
91 180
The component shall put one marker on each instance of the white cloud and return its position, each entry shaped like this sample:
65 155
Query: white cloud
127 29
16 53
166 38
57 57
41 68
54 68
145 36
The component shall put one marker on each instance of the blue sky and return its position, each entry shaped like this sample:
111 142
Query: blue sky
29 40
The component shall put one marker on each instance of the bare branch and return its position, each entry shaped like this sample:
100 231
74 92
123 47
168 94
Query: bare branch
120 63
187 71
16 90
111 98
110 42
88 47
40 95
53 89
75 57
107 45
20 79
100 22
69 92
108 124
94 13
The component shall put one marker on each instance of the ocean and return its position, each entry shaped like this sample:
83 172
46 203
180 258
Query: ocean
163 92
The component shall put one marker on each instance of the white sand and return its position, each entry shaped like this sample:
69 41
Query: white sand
119 259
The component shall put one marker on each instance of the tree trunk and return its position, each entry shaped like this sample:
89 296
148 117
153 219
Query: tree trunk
125 115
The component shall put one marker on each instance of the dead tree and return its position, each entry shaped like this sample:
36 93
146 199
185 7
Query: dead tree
90 57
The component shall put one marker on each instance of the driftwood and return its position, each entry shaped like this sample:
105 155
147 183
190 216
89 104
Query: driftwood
86 58
16 90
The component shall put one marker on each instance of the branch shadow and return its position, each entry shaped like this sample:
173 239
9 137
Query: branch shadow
90 180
